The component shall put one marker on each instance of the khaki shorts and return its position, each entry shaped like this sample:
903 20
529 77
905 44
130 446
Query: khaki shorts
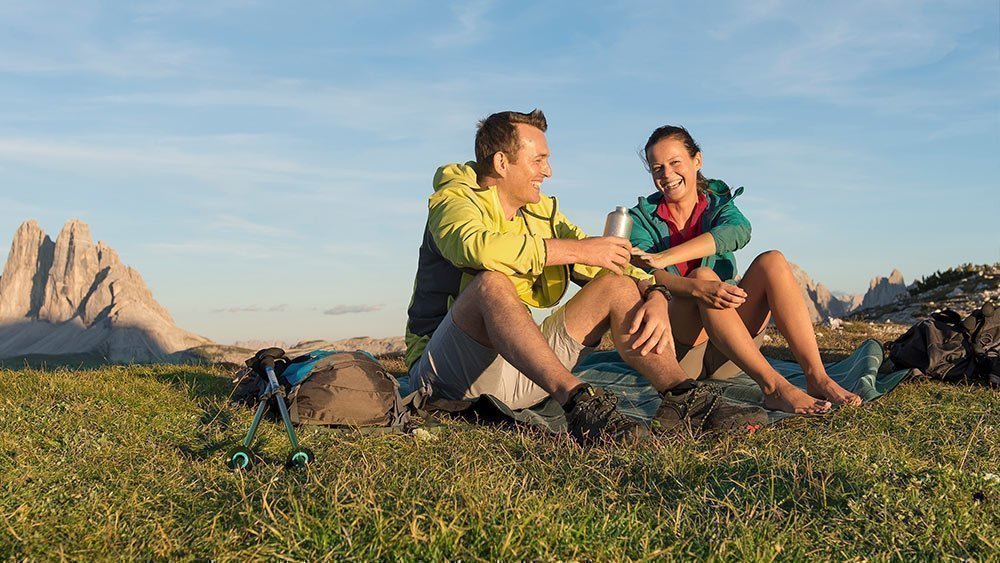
705 361
456 367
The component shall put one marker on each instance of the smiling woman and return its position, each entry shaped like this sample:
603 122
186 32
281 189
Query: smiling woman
685 235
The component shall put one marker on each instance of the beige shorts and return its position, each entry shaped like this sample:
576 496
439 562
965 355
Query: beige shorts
705 361
456 367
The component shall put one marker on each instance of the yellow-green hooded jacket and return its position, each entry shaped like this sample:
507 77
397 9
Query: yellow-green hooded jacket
467 233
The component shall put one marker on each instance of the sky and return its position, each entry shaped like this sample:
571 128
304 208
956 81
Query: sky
266 165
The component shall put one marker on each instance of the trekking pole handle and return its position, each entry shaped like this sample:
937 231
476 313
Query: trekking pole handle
272 385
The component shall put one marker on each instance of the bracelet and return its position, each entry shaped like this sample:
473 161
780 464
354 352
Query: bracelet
657 287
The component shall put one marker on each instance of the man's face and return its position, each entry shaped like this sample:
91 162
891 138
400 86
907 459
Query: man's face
522 181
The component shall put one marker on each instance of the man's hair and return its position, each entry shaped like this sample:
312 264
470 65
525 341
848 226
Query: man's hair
498 133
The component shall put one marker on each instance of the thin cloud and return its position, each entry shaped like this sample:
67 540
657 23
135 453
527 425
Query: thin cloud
151 155
467 28
217 248
348 309
253 309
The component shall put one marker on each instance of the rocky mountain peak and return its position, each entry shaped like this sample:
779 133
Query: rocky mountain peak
821 303
25 273
882 291
72 296
75 266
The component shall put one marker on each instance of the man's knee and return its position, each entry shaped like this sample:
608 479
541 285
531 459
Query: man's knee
486 288
614 285
490 284
703 273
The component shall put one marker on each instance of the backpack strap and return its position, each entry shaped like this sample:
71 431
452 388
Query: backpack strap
950 318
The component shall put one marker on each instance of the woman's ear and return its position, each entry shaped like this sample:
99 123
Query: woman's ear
697 160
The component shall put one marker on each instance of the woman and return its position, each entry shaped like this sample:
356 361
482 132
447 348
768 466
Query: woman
686 233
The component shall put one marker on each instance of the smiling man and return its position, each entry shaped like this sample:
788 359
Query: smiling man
494 244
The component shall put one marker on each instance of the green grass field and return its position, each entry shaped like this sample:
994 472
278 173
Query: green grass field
127 462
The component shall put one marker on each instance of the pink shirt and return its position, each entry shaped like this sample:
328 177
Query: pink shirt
682 234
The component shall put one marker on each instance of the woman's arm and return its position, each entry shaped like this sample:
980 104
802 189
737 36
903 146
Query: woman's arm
699 247
677 285
715 294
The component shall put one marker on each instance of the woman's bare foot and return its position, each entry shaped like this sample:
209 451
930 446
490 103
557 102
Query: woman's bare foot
789 398
829 389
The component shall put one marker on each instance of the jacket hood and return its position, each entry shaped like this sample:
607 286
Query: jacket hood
463 177
455 174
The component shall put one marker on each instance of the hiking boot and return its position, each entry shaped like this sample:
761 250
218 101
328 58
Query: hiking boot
700 408
594 417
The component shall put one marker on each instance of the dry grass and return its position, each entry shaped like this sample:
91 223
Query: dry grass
128 463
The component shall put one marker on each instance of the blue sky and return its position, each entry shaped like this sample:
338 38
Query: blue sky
265 166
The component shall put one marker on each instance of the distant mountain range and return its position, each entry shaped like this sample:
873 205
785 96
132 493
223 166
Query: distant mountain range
890 299
71 297
823 304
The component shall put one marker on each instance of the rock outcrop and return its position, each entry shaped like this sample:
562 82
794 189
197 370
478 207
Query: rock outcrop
822 304
22 285
883 291
961 289
74 297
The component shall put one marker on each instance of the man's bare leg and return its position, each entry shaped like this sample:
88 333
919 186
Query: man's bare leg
608 303
490 312
729 331
770 282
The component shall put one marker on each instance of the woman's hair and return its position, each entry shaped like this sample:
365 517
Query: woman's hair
680 134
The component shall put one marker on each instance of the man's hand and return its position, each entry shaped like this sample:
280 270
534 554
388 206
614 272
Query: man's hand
605 252
719 295
651 326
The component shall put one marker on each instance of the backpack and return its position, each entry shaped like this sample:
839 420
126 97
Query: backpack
336 390
953 349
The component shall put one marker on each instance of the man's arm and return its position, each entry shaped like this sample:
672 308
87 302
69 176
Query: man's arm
612 253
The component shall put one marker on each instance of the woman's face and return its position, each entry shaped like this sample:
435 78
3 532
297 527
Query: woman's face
674 171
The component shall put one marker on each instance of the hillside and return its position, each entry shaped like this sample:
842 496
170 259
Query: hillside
130 466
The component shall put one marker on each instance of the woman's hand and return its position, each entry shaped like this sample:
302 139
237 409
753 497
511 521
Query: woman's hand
719 295
655 261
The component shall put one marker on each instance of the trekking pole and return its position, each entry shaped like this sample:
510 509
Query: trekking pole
240 457
275 389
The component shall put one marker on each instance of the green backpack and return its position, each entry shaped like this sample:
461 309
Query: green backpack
339 390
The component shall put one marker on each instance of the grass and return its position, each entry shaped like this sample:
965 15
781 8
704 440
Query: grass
127 462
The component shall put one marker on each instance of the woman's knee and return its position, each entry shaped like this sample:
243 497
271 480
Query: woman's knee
771 260
703 273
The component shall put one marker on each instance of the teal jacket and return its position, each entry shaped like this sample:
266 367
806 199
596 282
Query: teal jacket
728 226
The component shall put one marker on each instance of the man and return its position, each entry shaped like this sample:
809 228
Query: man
493 244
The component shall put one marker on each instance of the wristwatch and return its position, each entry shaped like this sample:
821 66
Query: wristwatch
657 287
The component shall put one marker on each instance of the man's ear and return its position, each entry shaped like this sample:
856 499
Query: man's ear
500 164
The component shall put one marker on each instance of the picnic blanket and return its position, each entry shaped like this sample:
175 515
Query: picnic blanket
637 398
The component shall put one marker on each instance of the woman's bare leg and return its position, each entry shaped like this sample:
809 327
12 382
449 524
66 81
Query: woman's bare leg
729 334
771 289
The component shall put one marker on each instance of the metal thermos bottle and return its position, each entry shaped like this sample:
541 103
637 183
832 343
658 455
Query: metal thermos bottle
619 224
